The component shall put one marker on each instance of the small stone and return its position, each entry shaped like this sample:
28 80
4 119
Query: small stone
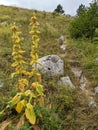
3 23
1 84
61 40
83 82
63 47
96 90
96 59
65 81
77 72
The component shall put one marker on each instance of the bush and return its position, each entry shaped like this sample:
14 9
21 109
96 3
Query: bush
84 25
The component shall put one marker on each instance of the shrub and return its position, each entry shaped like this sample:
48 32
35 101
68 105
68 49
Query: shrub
84 25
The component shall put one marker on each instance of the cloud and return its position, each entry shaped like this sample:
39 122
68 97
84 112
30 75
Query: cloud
70 6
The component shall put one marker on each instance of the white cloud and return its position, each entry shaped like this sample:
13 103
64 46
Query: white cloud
70 6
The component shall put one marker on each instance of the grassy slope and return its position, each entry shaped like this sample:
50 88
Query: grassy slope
50 28
73 111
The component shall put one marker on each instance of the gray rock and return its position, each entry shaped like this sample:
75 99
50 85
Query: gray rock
51 65
61 40
80 77
3 23
96 90
83 82
77 72
63 47
65 81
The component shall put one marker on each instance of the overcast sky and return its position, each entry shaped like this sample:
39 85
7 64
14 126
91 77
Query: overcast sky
69 6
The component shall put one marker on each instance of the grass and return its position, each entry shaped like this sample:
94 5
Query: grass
86 53
69 108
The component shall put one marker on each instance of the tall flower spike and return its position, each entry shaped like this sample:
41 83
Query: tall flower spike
34 49
17 57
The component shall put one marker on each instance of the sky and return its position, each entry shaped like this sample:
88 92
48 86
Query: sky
69 6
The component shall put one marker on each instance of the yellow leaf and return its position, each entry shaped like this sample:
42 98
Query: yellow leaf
21 87
32 62
20 106
39 89
39 77
12 75
30 114
15 99
30 74
38 32
24 81
14 64
21 51
29 92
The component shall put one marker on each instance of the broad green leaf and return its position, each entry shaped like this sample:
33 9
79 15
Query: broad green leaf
20 106
30 114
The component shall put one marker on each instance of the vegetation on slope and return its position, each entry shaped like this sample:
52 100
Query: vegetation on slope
67 109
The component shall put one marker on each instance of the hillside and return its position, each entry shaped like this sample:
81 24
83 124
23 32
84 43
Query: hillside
71 108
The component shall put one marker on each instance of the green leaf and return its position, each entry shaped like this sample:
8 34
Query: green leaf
30 114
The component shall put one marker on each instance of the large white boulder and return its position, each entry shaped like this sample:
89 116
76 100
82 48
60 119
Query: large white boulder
51 65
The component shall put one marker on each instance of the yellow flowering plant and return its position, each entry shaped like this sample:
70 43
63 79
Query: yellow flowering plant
30 93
